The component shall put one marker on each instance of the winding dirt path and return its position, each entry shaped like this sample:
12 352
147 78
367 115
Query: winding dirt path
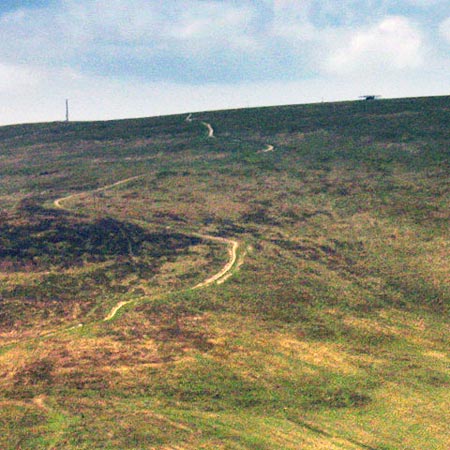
210 129
58 202
233 247
116 309
233 263
219 277
269 148
189 119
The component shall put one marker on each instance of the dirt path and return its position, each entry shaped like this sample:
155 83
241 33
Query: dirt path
233 246
269 148
205 124
210 129
57 202
225 272
219 277
116 309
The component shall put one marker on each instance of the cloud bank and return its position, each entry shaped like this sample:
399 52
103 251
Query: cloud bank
192 46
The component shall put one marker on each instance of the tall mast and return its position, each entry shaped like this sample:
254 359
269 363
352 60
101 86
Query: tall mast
67 110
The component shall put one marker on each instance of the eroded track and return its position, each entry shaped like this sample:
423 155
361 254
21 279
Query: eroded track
219 277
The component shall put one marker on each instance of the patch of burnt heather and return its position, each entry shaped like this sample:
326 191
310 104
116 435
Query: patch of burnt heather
260 216
51 239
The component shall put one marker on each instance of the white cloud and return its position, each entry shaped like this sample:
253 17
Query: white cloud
136 37
291 20
17 78
393 44
444 29
210 18
86 22
424 3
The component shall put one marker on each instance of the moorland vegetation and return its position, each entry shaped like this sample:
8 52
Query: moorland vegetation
331 332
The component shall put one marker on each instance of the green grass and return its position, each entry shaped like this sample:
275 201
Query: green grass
333 333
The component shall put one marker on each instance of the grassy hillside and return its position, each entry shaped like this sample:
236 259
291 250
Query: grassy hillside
331 332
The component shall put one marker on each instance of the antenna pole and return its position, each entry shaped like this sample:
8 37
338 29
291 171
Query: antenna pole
67 110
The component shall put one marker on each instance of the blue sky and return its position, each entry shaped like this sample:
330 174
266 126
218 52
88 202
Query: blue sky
130 58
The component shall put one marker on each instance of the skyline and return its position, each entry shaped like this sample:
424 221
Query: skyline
119 59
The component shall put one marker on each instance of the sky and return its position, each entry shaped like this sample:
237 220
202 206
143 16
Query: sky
135 58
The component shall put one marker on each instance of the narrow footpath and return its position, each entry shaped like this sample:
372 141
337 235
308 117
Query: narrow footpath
209 127
233 246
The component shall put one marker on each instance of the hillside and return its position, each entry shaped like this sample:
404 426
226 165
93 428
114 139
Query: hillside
267 278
